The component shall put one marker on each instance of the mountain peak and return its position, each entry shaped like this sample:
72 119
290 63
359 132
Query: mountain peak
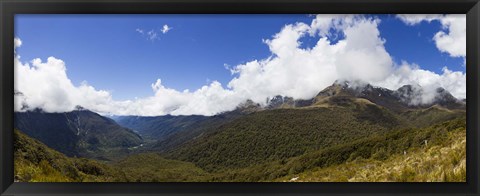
80 108
407 96
410 94
248 106
353 88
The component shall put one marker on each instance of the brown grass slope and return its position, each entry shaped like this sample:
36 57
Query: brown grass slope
441 162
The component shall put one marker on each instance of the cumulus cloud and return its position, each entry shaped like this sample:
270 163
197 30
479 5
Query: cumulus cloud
208 100
451 38
412 74
45 85
290 70
17 43
305 72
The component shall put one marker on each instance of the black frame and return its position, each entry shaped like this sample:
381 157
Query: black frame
8 8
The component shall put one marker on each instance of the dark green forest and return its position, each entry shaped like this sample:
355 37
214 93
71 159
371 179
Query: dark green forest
35 162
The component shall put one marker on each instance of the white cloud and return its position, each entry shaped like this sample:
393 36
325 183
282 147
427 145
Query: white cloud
364 52
208 100
451 39
17 42
152 34
165 29
405 74
139 31
305 72
46 85
414 19
290 71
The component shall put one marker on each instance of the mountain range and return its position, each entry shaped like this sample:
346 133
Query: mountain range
400 100
281 132
339 94
286 128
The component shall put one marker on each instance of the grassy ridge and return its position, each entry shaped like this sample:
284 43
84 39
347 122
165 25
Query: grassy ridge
443 162
429 116
35 162
378 148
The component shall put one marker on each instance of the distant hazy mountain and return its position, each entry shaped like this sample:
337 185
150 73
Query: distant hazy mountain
76 133
158 127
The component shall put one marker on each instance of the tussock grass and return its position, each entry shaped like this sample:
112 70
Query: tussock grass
444 162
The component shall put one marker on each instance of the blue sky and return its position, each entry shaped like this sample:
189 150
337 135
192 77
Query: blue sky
108 52
143 64
194 51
